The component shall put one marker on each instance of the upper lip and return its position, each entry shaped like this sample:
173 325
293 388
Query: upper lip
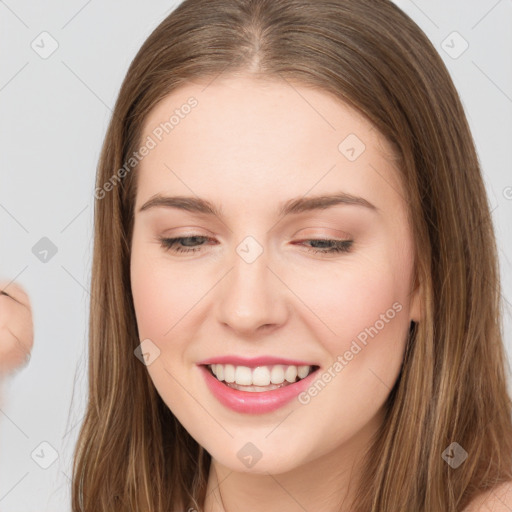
253 362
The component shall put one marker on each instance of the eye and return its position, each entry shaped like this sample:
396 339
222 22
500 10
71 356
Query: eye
188 244
171 244
329 246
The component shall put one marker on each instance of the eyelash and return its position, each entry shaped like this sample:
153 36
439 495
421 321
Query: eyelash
339 246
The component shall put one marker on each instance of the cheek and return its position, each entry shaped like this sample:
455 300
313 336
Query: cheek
364 327
360 316
162 297
348 299
150 300
162 293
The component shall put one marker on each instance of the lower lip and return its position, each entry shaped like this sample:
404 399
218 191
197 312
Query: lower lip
254 402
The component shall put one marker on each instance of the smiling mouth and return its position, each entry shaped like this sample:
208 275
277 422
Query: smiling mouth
263 378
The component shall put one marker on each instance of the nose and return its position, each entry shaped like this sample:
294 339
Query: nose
251 298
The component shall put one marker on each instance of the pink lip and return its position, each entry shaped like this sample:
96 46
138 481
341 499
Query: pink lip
254 402
255 361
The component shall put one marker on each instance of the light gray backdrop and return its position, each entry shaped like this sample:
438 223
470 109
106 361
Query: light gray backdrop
62 64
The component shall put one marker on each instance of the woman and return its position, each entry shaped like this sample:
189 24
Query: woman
295 294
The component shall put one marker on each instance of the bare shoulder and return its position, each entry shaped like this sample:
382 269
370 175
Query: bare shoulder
498 499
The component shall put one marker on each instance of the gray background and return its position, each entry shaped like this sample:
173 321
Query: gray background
53 116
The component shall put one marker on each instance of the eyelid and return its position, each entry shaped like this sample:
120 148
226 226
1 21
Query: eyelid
333 234
190 231
330 234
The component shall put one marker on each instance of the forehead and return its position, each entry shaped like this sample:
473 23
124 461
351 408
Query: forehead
246 107
251 134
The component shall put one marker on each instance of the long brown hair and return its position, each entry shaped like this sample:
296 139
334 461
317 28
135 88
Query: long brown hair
132 453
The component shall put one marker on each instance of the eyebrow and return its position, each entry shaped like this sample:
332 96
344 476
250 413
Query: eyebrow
292 206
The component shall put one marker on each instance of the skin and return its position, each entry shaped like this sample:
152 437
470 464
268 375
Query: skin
498 499
16 327
16 330
247 147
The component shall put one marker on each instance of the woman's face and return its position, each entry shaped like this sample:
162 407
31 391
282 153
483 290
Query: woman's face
261 279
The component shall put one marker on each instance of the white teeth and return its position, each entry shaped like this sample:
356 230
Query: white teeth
291 373
243 375
229 372
277 374
261 375
303 371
